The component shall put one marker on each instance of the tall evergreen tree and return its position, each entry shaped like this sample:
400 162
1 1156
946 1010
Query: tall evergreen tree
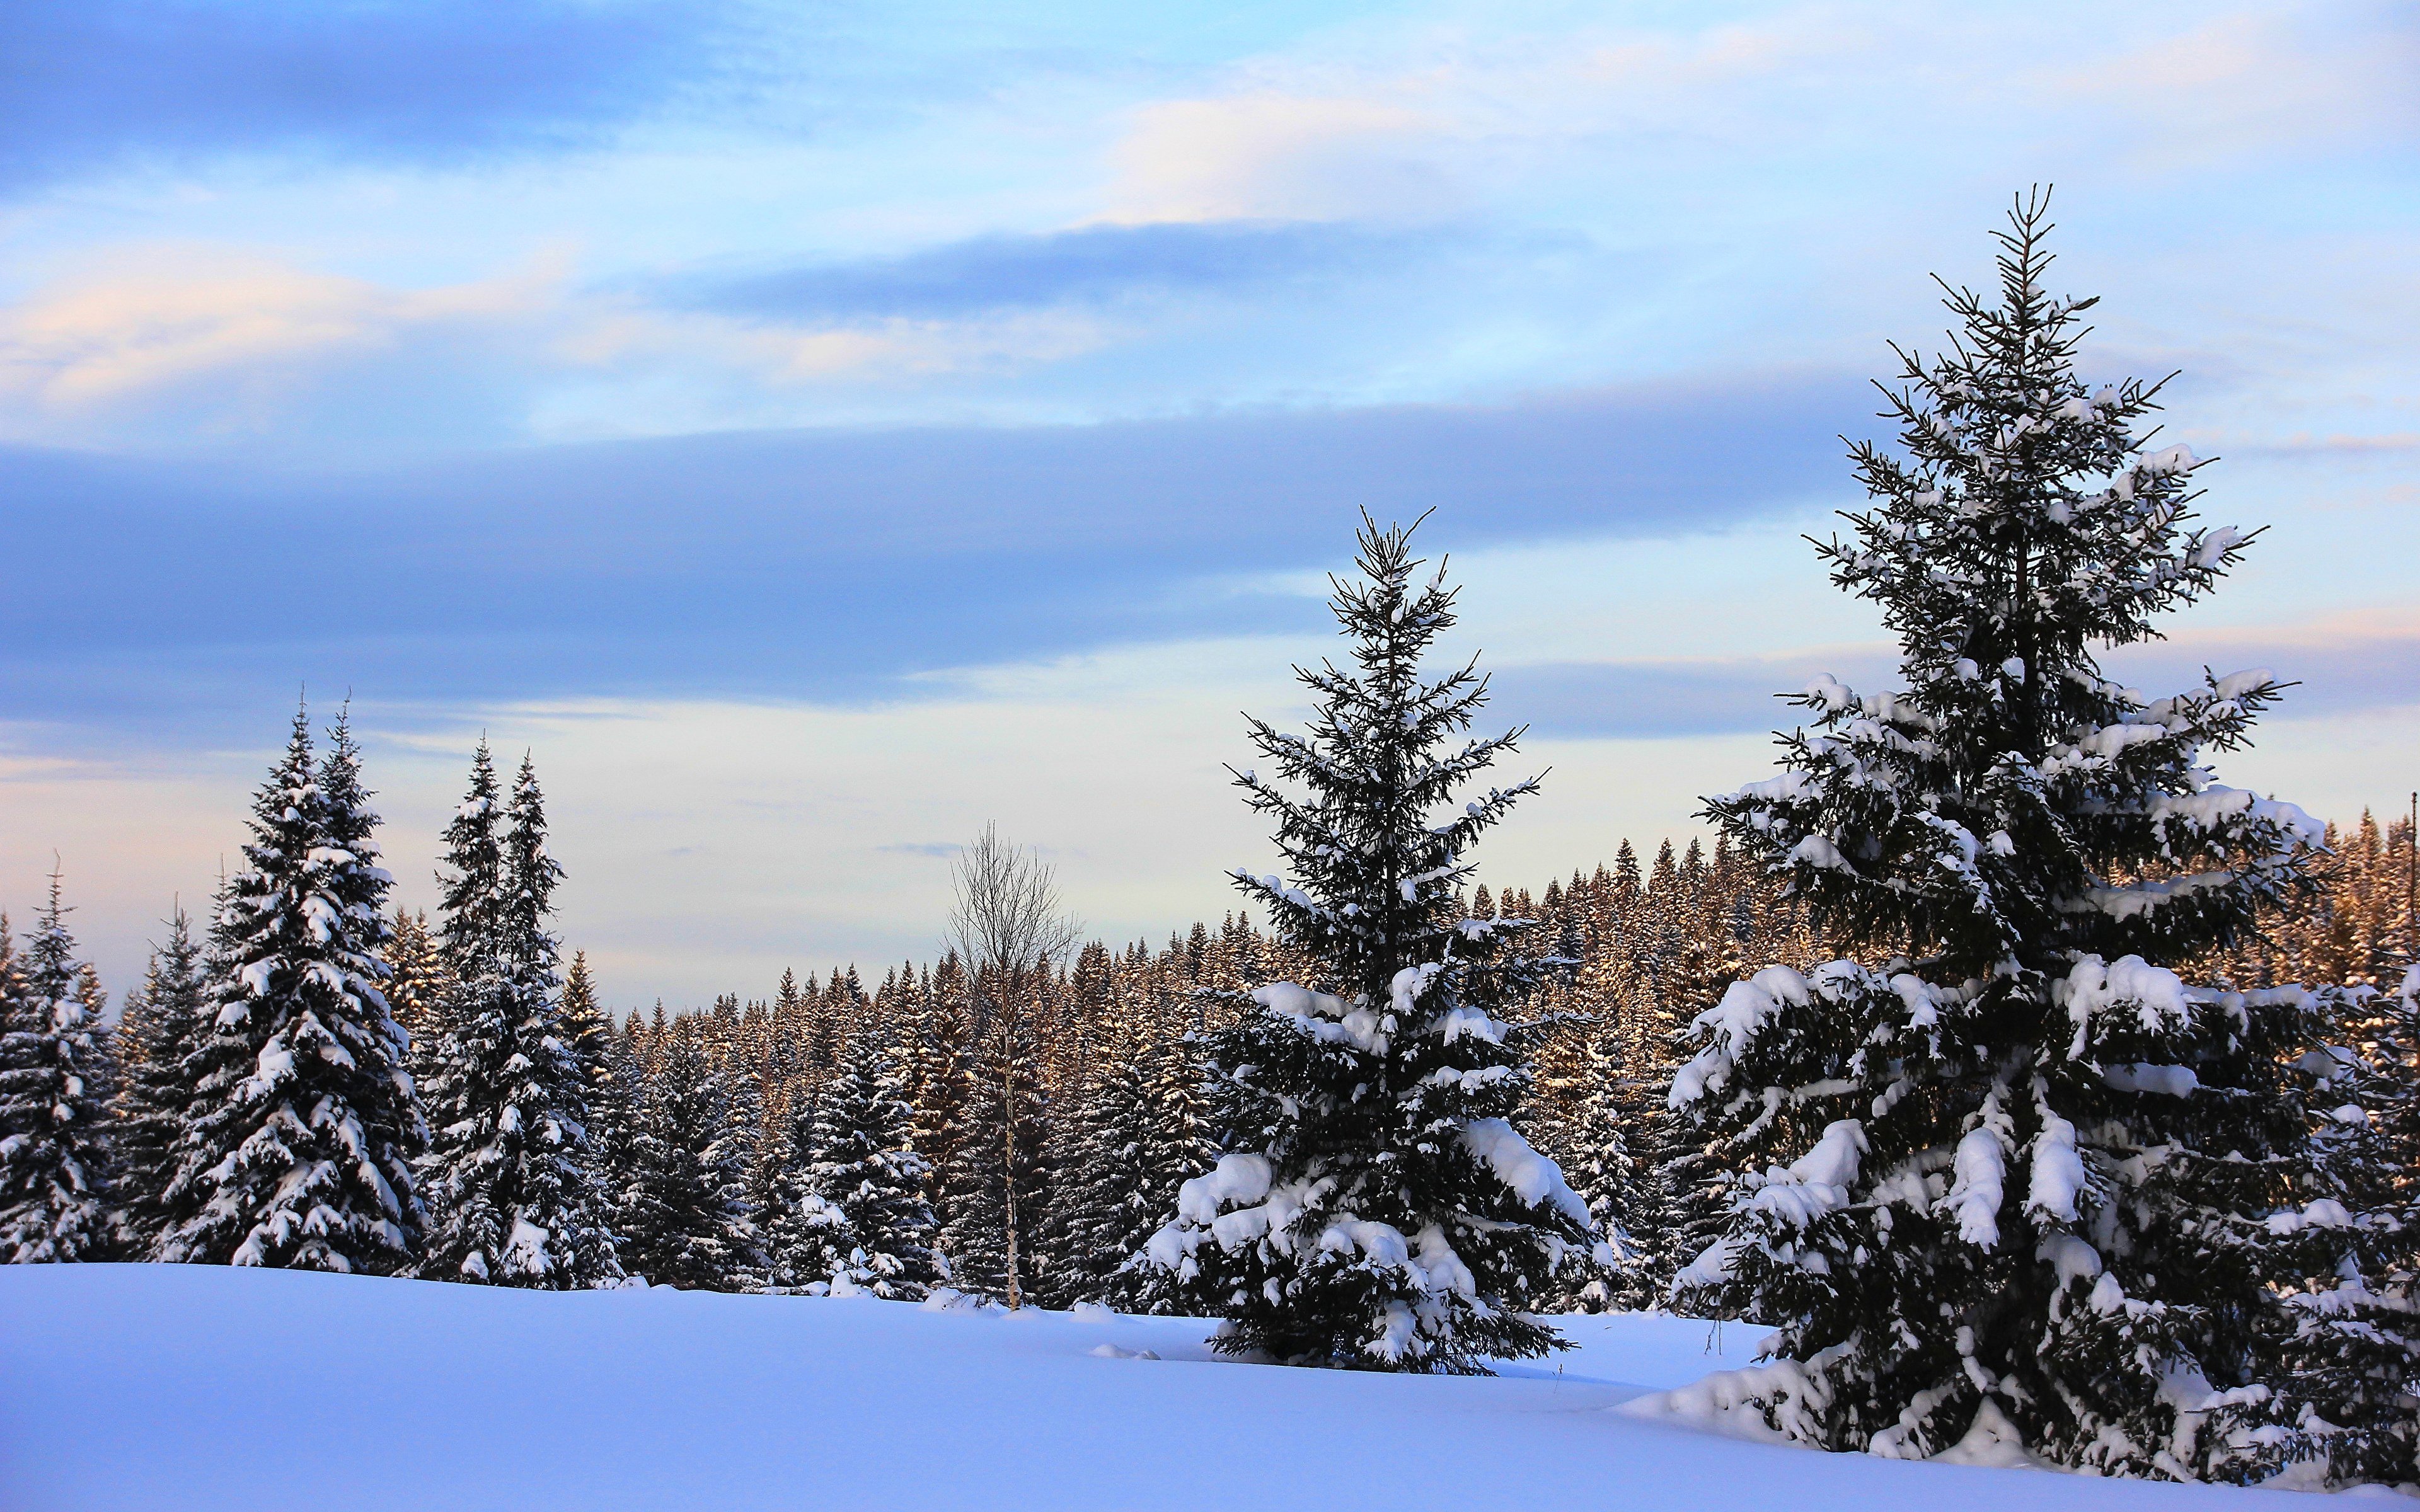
798 1228
1102 1208
2019 1179
1382 1210
158 1026
864 1170
685 1219
54 1133
296 1149
418 988
1602 1153
511 1179
1142 1132
933 1063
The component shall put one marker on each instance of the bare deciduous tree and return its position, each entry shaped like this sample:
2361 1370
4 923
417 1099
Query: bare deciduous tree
1006 922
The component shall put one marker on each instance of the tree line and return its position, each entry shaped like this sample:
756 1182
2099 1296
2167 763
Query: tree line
2034 1088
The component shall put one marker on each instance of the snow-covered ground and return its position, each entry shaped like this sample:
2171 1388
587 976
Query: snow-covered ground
167 1387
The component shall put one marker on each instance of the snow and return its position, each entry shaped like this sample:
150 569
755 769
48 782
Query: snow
173 1388
2058 1180
2094 986
1533 1177
1981 1172
1324 1016
1236 1180
1745 1008
1820 853
2169 1081
1816 1182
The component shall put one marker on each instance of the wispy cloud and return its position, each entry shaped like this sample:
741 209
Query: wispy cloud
2340 665
1089 265
165 316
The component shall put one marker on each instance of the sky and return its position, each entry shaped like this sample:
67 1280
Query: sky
812 432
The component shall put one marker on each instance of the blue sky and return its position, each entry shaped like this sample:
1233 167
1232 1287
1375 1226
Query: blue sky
815 431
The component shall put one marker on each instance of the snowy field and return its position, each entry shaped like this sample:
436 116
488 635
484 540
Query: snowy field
166 1387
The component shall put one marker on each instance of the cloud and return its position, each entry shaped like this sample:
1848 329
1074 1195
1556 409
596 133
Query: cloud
1633 700
93 85
2249 85
200 342
1405 121
805 564
2342 665
172 316
1274 155
1089 265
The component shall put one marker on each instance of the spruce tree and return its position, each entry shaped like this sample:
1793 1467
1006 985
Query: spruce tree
685 1219
1104 1207
53 1130
511 1182
418 988
1142 1132
1600 1154
2352 1335
465 1081
797 1226
864 1170
1380 1211
298 1145
158 1026
2010 1175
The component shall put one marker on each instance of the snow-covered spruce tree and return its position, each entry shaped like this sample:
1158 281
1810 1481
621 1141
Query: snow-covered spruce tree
1603 1154
559 1195
794 1225
462 1065
587 1034
864 1169
1380 1211
298 1144
617 1102
417 987
1105 1205
684 1219
2020 1179
2356 1326
53 1130
159 1025
509 1183
1147 1132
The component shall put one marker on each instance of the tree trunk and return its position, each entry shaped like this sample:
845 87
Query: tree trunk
1008 1173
